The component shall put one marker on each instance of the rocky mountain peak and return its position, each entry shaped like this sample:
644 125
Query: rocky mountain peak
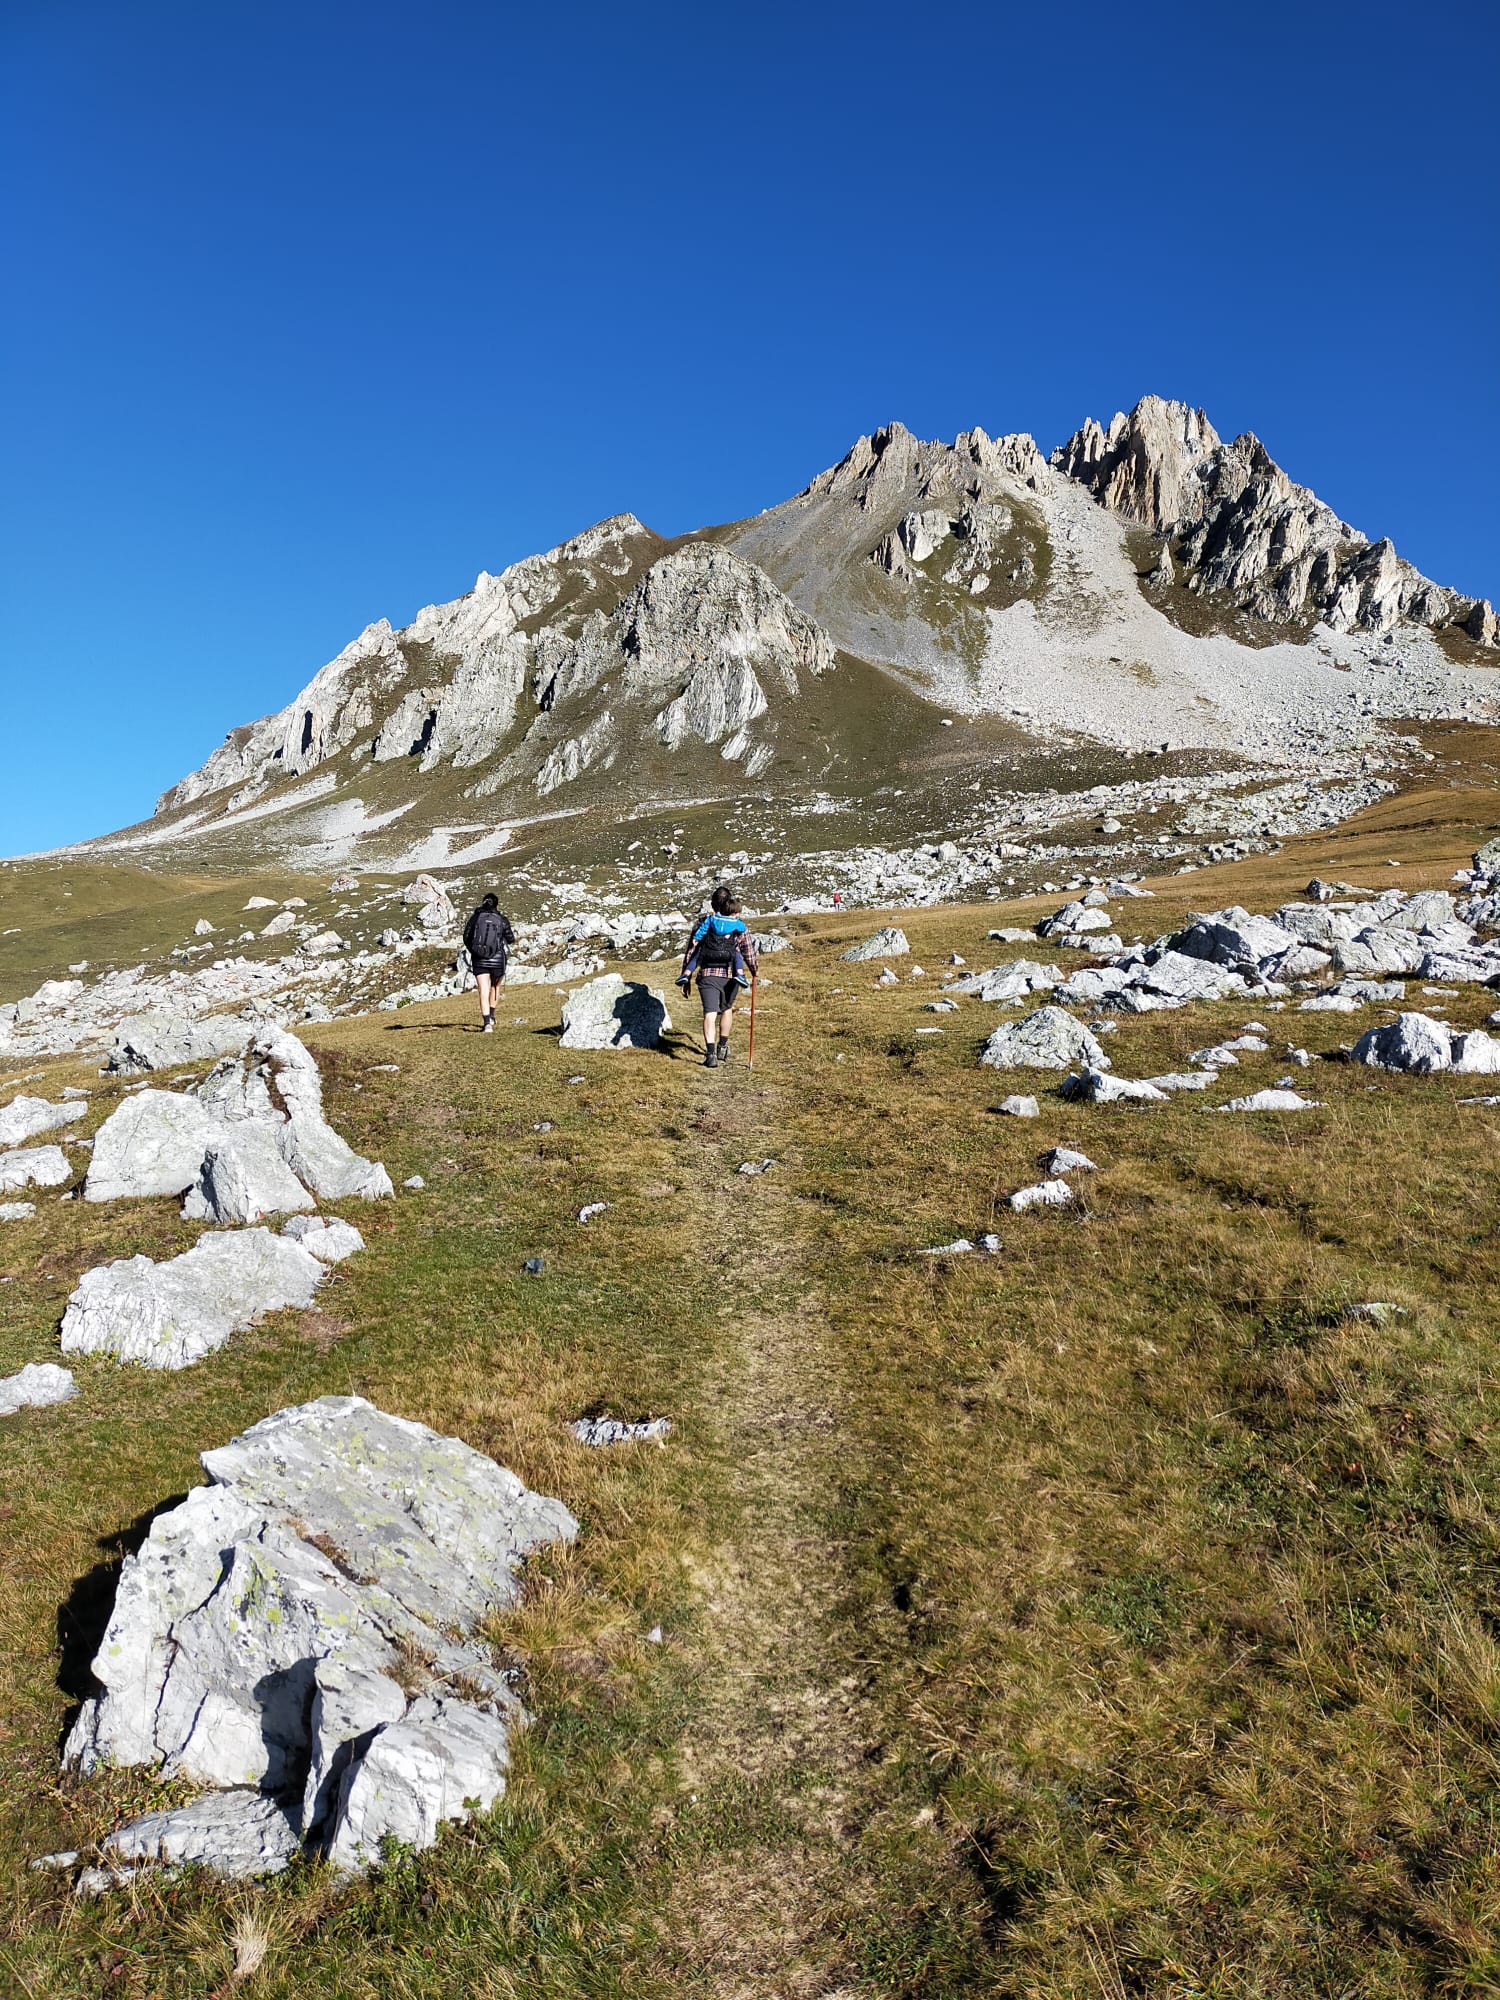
1242 530
1147 466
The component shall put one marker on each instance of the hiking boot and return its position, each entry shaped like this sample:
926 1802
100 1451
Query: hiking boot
723 1053
489 1024
711 1058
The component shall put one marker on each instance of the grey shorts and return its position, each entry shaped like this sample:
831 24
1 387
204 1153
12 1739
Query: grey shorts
718 991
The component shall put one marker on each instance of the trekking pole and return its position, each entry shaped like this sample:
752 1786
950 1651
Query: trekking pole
750 1052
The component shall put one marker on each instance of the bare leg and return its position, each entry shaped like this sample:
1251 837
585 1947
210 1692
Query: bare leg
710 1029
487 985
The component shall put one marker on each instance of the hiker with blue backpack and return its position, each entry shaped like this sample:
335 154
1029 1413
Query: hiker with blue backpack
487 936
721 952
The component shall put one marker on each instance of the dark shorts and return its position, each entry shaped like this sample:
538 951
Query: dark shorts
718 991
493 968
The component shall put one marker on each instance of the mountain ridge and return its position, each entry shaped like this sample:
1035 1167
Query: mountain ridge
1145 585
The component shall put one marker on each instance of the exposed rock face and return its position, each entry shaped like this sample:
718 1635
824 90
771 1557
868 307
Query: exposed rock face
1417 1043
258 1635
171 1314
1240 526
614 1013
691 640
235 1835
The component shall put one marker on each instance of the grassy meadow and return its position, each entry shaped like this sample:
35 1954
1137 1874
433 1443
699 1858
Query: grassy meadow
1115 1616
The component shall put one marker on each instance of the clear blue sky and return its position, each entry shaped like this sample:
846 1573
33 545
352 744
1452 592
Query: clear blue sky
315 310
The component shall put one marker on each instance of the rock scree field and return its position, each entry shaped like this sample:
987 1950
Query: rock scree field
1092 1597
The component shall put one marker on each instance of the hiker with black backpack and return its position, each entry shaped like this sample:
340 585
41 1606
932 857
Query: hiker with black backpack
722 953
486 936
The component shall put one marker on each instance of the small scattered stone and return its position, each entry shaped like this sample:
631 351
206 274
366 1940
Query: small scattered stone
1045 1194
599 1431
38 1384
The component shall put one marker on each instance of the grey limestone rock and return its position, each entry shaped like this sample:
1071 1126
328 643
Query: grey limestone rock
1047 1039
888 942
1094 1086
236 1835
599 1431
1063 1160
244 1178
328 1239
1010 982
167 1041
1235 938
34 1166
1020 1107
16 1211
614 1013
171 1314
258 1634
38 1384
1270 1100
28 1117
1045 1194
1410 1042
442 1759
154 1143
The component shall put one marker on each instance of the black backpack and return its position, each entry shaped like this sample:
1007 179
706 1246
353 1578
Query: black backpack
488 937
718 950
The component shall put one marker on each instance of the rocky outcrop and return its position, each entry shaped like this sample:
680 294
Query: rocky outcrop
170 1315
302 1634
168 1041
1239 527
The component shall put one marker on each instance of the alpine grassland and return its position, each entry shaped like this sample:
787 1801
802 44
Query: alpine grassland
1114 1615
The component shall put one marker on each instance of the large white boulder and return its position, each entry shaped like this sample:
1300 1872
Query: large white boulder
259 1633
27 1117
888 942
1048 1039
153 1143
614 1013
171 1314
34 1166
1410 1042
277 1083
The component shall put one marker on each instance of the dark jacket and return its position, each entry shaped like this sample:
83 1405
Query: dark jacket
486 935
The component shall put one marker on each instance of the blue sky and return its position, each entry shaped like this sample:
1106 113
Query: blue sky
317 310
